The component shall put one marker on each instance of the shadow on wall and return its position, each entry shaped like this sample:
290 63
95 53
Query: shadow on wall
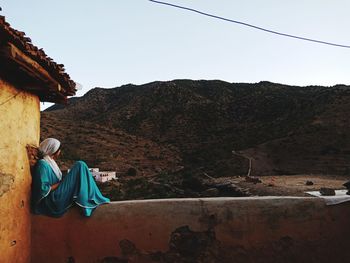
190 246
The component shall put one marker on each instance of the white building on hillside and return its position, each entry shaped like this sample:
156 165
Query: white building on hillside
102 176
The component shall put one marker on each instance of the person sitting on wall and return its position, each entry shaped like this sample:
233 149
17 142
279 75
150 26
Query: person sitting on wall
52 195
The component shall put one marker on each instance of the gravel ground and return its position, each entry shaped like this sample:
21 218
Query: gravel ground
291 185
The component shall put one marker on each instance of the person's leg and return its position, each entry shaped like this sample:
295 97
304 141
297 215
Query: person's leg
63 197
79 186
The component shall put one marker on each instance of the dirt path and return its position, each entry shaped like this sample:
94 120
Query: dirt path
292 185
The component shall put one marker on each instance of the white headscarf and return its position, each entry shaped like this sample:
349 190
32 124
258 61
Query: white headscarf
47 148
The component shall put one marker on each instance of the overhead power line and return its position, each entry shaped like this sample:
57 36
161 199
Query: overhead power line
250 25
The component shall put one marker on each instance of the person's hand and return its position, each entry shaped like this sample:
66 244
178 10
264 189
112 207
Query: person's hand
54 186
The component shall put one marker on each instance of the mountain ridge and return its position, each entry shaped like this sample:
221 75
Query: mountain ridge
198 123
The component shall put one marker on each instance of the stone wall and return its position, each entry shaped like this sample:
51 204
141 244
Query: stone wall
19 126
252 229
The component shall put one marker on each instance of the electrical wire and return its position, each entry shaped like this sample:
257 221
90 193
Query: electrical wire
250 25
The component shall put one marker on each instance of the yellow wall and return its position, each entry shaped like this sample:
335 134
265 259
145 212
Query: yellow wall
19 126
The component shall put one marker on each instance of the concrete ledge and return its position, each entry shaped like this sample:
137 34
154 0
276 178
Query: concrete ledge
262 229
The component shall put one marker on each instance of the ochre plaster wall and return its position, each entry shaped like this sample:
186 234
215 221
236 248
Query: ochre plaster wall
19 126
259 230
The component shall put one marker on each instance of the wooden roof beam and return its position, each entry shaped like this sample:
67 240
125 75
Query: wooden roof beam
31 67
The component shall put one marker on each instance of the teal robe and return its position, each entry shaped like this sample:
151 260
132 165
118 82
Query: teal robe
77 187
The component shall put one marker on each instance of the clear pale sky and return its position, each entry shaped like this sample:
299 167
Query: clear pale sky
111 43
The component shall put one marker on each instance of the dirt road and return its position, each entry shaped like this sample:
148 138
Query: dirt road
292 185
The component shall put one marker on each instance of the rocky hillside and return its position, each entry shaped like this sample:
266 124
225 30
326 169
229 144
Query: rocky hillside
193 126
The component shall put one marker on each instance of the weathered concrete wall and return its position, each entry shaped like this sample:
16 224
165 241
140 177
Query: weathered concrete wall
270 229
19 126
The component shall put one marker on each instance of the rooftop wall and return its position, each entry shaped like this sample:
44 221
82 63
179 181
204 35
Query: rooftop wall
19 126
265 229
